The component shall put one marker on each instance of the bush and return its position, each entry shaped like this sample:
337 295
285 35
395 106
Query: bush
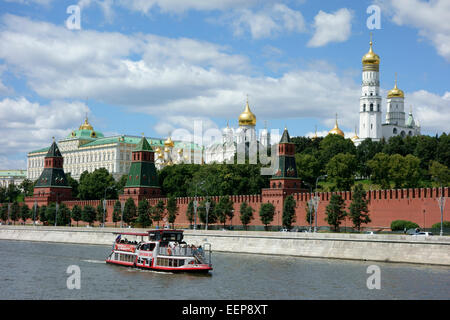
400 225
438 225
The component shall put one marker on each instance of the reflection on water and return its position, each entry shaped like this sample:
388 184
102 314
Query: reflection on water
34 270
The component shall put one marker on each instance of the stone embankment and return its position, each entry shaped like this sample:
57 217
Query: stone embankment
379 247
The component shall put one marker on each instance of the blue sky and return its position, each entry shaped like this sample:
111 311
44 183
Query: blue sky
155 66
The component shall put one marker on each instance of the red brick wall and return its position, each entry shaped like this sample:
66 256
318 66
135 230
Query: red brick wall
384 206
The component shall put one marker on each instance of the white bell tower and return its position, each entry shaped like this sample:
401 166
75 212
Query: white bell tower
370 100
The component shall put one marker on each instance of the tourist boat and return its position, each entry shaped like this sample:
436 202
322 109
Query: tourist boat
160 249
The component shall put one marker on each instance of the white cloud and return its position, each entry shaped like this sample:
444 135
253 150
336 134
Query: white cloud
331 27
431 18
175 80
268 22
30 126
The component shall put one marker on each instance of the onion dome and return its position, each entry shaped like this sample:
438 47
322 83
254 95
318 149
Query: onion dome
355 137
395 92
86 125
247 118
371 61
336 129
169 143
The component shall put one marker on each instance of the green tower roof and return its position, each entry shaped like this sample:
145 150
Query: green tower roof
53 151
143 145
285 138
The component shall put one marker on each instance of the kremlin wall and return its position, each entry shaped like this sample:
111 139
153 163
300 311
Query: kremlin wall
417 205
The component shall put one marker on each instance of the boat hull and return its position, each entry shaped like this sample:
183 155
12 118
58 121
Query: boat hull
193 269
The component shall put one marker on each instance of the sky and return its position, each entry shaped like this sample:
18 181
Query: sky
155 66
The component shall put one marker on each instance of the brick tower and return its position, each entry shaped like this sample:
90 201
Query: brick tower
142 182
285 180
52 185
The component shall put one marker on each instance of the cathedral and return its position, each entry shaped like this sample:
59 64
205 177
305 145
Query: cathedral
370 120
245 135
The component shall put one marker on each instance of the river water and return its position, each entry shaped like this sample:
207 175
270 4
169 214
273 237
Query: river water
38 270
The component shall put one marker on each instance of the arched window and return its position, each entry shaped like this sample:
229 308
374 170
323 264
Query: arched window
394 131
371 107
364 107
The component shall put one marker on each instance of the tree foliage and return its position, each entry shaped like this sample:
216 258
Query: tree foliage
267 213
358 210
288 217
335 212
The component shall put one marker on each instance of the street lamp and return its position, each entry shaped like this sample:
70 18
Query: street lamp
310 205
317 202
207 205
196 204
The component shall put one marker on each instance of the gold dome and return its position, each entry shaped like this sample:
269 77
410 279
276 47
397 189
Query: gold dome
336 129
169 142
247 118
395 92
370 58
86 125
355 137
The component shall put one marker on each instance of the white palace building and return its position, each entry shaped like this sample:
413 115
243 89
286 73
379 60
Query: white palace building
86 150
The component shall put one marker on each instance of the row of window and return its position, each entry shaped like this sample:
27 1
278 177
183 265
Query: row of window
371 107
124 257
170 262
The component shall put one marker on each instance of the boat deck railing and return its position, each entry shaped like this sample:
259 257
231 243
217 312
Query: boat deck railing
180 251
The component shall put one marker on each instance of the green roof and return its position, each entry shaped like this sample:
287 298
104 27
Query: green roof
85 134
143 145
13 173
53 151
285 138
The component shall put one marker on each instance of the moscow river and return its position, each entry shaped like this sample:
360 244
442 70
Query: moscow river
38 270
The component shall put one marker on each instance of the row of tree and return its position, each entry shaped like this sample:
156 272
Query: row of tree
416 161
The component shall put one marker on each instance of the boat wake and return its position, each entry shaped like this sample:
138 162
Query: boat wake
94 261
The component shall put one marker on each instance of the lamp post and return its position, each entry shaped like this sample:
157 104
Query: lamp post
441 202
317 202
34 213
122 208
310 205
207 205
196 204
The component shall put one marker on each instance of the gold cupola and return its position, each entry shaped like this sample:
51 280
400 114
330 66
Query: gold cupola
336 129
355 137
371 60
169 143
247 118
395 92
86 125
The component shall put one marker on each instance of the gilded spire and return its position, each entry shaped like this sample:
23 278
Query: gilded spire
395 92
370 58
86 125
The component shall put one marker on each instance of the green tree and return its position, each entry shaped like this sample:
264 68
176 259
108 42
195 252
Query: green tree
74 185
443 150
15 212
366 151
246 214
379 168
63 216
439 173
43 214
117 213
335 211
4 212
341 170
93 185
288 217
27 187
358 210
50 214
224 210
120 185
100 212
332 145
212 217
266 214
129 211
158 212
88 214
24 213
308 167
76 213
12 192
143 214
172 210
